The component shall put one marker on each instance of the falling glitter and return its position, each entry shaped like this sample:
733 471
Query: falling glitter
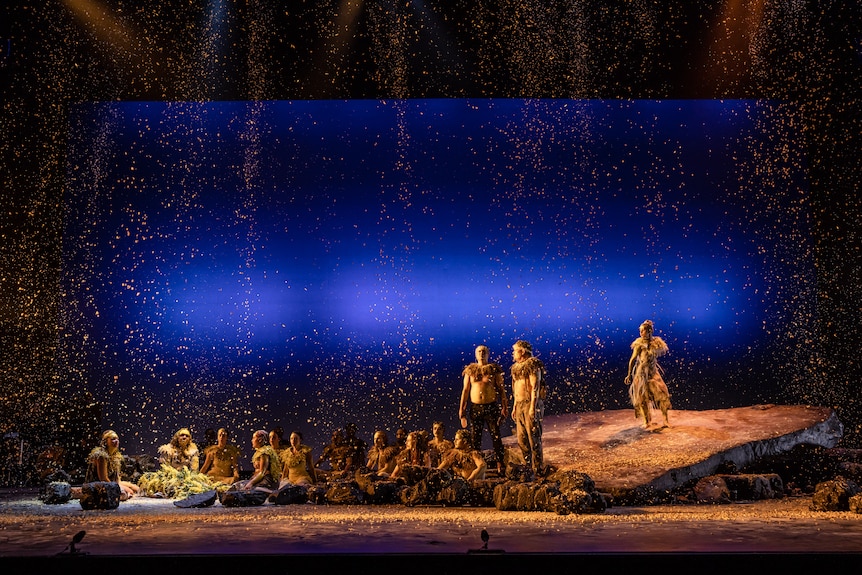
568 177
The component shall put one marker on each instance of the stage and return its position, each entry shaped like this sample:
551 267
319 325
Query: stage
145 528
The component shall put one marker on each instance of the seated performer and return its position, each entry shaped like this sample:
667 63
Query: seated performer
647 388
335 452
439 445
105 463
356 449
276 440
415 453
381 456
180 452
298 468
221 461
267 466
463 460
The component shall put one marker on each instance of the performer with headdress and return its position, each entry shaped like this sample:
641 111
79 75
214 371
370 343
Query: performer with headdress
647 388
105 463
181 452
529 390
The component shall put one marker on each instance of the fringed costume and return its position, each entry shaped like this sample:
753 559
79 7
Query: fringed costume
647 385
177 458
529 431
484 415
296 464
114 461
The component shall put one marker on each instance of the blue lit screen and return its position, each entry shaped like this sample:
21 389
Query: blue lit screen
310 263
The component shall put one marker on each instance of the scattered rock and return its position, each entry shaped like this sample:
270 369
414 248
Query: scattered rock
290 494
851 470
382 492
56 492
456 494
545 496
754 487
344 493
711 489
100 495
834 495
244 498
205 499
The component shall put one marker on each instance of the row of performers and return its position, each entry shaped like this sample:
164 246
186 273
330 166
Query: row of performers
274 468
483 404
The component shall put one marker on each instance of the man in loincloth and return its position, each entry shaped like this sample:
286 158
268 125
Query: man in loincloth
484 400
527 384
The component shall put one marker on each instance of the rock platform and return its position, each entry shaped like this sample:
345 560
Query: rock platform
630 462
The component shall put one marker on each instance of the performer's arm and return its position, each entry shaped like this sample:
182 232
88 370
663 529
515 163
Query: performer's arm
501 392
465 397
535 379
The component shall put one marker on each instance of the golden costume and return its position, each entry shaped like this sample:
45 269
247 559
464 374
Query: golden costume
647 385
170 454
115 465
225 460
270 481
297 465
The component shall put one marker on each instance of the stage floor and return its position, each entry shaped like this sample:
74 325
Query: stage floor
148 527
609 446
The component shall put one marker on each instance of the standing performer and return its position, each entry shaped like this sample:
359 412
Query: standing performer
528 374
647 389
483 387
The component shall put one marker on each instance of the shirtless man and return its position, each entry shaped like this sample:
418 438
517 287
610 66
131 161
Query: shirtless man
527 413
439 445
382 457
463 460
483 387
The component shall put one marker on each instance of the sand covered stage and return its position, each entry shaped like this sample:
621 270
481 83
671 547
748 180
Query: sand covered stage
608 446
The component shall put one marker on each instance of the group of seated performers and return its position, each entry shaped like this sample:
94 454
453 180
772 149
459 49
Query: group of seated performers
276 464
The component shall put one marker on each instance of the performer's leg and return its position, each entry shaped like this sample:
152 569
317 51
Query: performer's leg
475 426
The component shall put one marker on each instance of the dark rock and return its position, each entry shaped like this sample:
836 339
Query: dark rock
244 498
416 494
344 493
520 473
545 496
457 493
58 476
851 470
56 492
317 493
290 494
573 480
100 495
843 454
712 489
801 468
481 493
726 468
205 499
413 474
834 495
754 487
382 492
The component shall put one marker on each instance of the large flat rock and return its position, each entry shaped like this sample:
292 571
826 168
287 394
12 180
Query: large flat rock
624 459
